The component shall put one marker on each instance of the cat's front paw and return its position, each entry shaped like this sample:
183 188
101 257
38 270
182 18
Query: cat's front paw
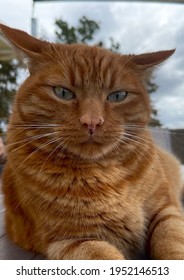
83 250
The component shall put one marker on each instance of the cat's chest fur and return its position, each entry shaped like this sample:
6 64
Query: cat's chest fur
93 202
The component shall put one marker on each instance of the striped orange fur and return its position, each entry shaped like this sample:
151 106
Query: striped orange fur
84 178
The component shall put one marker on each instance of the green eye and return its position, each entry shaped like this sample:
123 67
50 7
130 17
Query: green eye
117 96
63 93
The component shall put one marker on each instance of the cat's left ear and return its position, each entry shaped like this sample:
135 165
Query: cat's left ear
30 47
150 60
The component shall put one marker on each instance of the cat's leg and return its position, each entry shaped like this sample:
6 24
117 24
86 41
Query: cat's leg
83 250
166 234
19 226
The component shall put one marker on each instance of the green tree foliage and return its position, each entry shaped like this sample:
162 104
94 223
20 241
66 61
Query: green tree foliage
84 33
152 87
8 86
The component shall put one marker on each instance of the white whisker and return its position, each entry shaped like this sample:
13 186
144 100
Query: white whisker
136 137
40 147
138 152
32 138
35 125
51 153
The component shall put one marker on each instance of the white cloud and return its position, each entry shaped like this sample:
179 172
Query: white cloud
16 13
170 111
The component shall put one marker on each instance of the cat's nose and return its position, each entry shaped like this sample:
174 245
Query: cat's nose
91 122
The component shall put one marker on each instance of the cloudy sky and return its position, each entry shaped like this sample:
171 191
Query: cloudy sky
138 27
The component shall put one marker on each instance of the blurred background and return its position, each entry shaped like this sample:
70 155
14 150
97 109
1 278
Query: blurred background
121 26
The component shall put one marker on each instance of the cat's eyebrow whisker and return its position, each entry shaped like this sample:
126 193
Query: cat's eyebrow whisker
151 43
126 62
61 58
131 57
127 71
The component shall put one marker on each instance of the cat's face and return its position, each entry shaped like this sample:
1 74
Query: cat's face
80 100
87 96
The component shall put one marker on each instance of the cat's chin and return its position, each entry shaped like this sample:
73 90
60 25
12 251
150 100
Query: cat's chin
91 150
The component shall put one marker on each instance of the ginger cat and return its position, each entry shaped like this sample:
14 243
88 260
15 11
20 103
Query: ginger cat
84 178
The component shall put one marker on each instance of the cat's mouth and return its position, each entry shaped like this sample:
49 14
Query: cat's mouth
91 148
90 140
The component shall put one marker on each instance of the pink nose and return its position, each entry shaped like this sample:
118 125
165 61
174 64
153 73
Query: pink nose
91 122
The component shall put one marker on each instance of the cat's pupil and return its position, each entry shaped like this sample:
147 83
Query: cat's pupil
117 96
63 93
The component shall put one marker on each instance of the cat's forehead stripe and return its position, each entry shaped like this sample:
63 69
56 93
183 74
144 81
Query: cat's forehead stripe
91 65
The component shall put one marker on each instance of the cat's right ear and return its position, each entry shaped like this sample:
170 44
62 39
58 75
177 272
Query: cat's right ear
30 47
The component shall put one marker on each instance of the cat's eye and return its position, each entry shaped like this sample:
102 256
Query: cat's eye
117 96
63 93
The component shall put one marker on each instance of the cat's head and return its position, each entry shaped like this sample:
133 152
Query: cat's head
87 96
